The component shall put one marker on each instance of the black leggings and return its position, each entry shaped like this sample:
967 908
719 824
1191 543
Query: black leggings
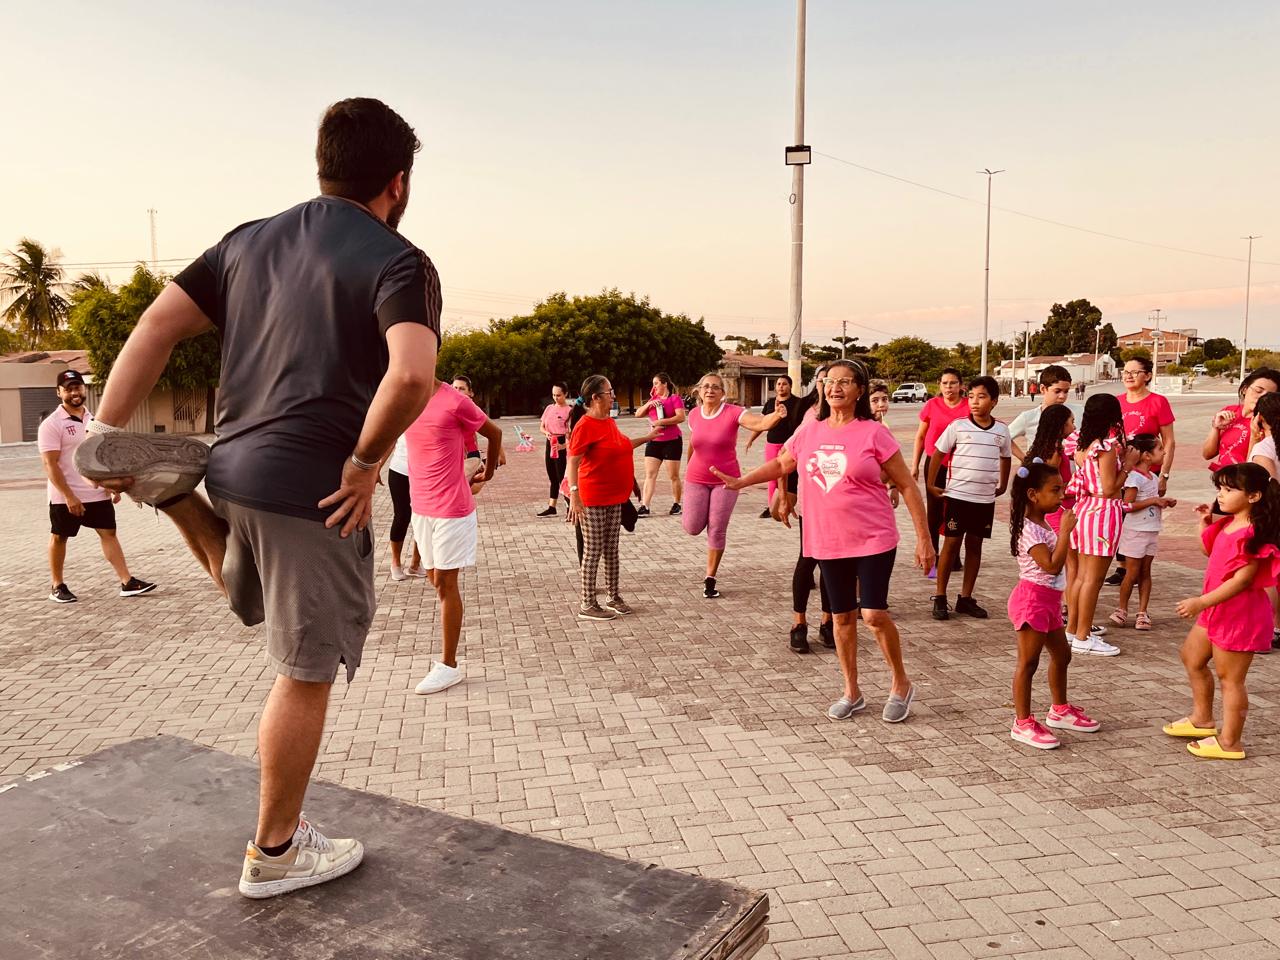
398 484
555 468
802 581
934 505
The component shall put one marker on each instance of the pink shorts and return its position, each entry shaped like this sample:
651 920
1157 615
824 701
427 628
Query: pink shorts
1036 606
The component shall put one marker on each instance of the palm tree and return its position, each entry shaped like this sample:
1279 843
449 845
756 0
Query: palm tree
29 281
90 281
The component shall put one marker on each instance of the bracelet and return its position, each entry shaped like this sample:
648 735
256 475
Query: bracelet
361 465
97 426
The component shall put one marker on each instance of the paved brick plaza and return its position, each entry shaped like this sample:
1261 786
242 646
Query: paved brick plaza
690 736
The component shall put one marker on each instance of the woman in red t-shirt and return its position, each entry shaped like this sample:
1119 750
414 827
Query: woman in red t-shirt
601 473
1228 440
935 416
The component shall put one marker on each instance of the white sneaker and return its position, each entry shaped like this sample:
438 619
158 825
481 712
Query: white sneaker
418 573
1095 646
398 574
441 677
312 859
1097 630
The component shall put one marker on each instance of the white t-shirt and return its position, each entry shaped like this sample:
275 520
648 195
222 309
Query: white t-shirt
1265 448
1148 487
399 461
1027 422
976 452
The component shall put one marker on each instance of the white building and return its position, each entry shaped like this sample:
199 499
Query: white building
1082 366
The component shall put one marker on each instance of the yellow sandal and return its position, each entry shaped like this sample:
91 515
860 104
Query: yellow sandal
1185 728
1208 749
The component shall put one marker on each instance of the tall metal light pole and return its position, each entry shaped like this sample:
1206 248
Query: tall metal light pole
155 250
1026 358
797 156
1248 278
986 274
1097 345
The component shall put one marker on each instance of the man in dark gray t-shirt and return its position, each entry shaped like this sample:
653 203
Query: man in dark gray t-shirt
329 323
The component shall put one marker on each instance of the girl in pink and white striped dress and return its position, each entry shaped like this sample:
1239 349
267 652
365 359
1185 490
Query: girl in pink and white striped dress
1102 462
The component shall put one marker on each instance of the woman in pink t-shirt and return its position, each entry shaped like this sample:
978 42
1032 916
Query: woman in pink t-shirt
849 524
1228 440
666 410
554 425
1147 412
713 454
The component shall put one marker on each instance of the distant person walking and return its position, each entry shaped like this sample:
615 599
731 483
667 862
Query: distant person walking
713 454
666 410
74 502
554 425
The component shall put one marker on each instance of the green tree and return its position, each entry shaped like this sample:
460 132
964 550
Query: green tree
103 318
1217 368
910 358
30 281
1134 353
1218 348
1192 357
1072 328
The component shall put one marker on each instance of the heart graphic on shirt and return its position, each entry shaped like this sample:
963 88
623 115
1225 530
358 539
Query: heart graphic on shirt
827 469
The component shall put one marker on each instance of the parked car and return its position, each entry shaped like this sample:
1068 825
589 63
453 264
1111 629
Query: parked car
1200 370
911 392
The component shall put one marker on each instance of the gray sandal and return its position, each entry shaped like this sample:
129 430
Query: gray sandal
897 708
844 708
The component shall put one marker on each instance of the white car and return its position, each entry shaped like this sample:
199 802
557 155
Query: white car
911 392
1200 370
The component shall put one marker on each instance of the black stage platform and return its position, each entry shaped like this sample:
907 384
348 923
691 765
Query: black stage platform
135 853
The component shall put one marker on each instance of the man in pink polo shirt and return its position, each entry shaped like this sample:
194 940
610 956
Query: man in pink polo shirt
444 509
74 502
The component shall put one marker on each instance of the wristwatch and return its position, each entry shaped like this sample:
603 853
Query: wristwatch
1164 476
573 488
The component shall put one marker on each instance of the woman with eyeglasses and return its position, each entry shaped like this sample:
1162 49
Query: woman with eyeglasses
850 527
713 454
601 474
1228 440
1146 411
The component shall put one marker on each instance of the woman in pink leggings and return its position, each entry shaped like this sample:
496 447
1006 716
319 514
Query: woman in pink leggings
713 442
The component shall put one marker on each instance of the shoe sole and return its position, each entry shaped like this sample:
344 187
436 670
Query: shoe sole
1033 745
620 613
274 888
60 600
586 616
180 461
1067 726
848 716
1097 653
427 693
801 650
137 593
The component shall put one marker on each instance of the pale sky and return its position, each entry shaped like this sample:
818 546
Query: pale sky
576 146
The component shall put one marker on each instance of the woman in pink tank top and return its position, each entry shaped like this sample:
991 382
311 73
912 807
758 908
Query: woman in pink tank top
713 442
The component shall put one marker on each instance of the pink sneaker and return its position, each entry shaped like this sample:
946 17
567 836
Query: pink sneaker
1120 617
1143 622
1071 718
1030 732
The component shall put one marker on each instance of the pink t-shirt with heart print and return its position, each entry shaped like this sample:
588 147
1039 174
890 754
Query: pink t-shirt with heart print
845 506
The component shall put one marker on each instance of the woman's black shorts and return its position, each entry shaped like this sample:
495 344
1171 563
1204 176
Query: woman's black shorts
665 449
858 582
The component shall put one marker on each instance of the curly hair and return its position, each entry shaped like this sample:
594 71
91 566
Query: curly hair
1048 440
1032 476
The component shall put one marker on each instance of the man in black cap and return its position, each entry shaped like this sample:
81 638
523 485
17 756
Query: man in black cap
73 501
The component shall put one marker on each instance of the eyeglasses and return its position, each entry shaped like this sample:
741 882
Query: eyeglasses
607 393
838 381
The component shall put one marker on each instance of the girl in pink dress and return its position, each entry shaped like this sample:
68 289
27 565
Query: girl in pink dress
1233 615
713 445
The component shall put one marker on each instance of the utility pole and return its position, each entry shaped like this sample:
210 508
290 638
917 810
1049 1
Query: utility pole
1026 358
155 257
1248 279
1155 318
844 336
797 156
986 272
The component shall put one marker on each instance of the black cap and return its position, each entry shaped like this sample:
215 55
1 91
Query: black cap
68 377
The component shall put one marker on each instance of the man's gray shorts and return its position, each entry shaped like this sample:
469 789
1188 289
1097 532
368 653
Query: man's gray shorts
312 588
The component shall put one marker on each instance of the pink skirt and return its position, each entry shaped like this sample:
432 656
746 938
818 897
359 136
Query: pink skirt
1036 606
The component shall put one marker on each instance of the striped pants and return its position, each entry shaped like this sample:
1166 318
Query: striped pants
600 529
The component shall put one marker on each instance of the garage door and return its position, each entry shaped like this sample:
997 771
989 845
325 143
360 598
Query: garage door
37 403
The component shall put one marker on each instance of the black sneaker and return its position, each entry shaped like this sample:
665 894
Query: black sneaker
549 512
940 609
642 511
765 514
709 590
969 606
1116 578
1275 639
675 510
61 594
827 634
800 638
135 587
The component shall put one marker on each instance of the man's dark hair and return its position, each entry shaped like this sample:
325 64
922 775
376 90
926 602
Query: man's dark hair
1053 374
988 384
362 144
953 371
464 378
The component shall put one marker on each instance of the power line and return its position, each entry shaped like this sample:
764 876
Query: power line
1039 219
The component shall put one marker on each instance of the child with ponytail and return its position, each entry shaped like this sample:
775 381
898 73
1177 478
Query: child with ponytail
1035 605
1233 615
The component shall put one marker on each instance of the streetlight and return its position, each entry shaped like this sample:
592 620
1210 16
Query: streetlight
798 155
1248 277
986 278
1097 345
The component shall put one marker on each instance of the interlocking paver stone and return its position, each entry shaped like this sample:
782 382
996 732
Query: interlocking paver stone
688 735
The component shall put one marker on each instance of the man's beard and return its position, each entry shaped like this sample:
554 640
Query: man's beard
396 213
75 401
